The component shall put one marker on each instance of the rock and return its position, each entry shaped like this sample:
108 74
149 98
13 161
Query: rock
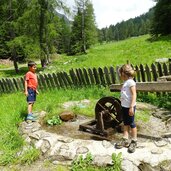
67 115
82 150
157 151
106 144
129 166
160 143
100 160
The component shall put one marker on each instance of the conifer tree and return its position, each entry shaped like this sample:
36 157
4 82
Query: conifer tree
84 32
162 18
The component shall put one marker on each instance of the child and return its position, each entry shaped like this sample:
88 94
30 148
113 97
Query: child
128 103
30 85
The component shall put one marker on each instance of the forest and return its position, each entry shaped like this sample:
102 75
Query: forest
35 29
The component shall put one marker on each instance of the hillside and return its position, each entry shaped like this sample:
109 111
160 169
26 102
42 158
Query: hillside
137 50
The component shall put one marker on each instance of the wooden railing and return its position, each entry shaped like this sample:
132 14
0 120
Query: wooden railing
87 77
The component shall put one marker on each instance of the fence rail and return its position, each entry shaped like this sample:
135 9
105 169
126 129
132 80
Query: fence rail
86 77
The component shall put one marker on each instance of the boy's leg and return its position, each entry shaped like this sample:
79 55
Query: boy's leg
30 108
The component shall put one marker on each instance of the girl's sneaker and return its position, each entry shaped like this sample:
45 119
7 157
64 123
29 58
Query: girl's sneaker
132 146
123 143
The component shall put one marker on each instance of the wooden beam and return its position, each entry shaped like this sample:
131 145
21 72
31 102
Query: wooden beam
146 87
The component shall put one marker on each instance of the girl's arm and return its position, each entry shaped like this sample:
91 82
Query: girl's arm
133 100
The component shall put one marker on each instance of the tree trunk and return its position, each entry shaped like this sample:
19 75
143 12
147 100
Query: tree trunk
12 36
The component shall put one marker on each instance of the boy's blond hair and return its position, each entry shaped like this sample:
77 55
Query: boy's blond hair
127 70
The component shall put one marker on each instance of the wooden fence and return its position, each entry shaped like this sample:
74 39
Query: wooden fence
87 77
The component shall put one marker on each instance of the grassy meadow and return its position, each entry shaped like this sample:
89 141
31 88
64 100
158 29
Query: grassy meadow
13 107
138 50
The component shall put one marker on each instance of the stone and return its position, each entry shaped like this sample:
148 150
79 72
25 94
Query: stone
82 150
67 116
127 165
106 144
156 151
104 160
160 143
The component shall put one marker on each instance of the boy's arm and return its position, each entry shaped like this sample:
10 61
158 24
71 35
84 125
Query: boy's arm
25 88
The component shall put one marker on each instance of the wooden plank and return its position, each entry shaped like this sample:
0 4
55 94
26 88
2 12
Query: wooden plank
83 82
40 86
56 80
8 85
2 88
73 77
112 75
78 77
86 76
142 73
169 68
47 81
154 72
65 83
60 80
106 73
15 84
148 73
101 75
43 82
22 83
146 87
96 77
51 80
165 70
67 78
91 76
138 78
11 85
159 67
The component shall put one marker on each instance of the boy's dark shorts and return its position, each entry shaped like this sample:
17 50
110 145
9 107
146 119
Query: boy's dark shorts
127 119
31 98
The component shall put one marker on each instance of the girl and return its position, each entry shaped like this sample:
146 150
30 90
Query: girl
128 103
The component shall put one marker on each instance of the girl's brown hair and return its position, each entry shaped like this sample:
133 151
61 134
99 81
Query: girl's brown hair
127 70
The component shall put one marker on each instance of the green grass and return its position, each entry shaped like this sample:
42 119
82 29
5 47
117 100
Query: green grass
138 50
14 109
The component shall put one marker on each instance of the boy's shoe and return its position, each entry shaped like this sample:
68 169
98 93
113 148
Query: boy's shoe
35 116
30 118
123 143
132 146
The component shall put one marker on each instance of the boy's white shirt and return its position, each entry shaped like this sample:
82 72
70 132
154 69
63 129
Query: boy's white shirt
126 95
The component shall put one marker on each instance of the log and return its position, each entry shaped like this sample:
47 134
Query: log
146 87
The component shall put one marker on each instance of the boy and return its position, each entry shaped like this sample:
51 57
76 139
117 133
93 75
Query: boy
30 85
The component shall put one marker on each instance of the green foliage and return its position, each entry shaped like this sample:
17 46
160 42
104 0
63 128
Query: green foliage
84 33
157 99
54 121
161 24
133 27
116 162
82 164
85 164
